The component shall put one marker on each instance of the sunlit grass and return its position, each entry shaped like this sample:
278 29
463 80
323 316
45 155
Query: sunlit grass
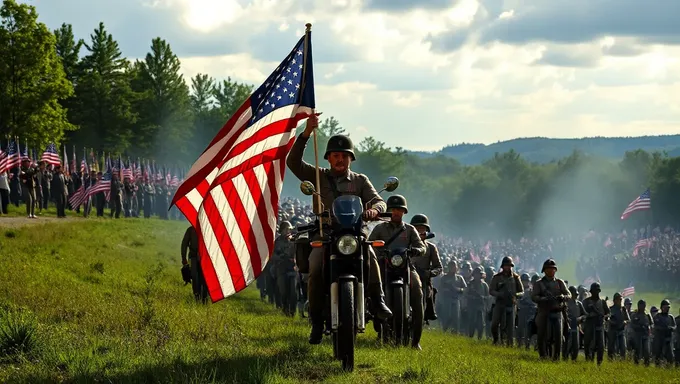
103 300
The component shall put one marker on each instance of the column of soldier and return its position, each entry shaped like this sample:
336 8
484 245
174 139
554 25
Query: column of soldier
39 184
507 307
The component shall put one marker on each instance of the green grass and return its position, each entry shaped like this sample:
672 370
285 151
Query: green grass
103 300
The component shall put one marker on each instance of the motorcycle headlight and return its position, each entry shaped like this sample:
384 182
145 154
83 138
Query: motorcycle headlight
347 244
396 260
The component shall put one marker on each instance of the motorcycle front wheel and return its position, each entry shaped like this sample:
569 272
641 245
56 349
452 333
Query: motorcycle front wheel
346 334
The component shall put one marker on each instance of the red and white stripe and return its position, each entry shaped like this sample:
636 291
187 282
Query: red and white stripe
642 243
234 204
630 291
78 198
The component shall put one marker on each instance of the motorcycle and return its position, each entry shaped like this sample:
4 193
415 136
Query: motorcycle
396 269
345 252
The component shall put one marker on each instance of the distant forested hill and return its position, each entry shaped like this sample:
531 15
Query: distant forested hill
544 150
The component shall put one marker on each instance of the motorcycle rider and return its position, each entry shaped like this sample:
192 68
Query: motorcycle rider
428 266
551 295
505 287
284 259
407 237
335 181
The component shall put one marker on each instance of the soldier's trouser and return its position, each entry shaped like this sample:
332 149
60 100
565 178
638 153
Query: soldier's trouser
45 197
147 208
39 198
475 320
100 204
662 349
549 326
417 308
453 317
261 285
4 200
616 343
522 326
272 289
641 348
198 285
116 205
571 345
315 286
61 205
127 205
29 199
593 341
286 287
503 318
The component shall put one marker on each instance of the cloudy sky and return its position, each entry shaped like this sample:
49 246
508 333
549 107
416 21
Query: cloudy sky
424 74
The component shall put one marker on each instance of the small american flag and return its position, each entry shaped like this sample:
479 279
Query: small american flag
103 185
51 156
641 203
643 243
11 158
24 154
231 194
630 291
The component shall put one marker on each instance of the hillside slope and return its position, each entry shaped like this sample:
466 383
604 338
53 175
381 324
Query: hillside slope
105 302
544 150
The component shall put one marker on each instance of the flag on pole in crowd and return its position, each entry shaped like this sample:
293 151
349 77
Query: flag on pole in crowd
12 158
24 154
643 243
628 292
642 202
231 194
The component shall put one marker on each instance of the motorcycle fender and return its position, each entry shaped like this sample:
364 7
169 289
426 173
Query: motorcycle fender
334 306
361 310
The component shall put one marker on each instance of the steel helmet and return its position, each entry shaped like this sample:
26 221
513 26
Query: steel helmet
420 219
550 263
397 201
340 143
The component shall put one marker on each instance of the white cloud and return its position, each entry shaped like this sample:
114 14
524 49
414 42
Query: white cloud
386 74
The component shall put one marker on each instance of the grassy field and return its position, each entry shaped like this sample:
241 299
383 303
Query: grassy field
102 300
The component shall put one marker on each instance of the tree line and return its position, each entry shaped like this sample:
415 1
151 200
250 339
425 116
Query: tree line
55 87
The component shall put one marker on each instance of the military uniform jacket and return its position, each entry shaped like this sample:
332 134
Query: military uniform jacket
575 311
190 243
477 293
641 322
28 177
60 184
283 257
505 287
546 287
664 325
619 315
452 285
596 310
351 183
430 261
407 238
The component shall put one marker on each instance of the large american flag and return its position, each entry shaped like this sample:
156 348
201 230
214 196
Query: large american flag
642 202
231 193
103 185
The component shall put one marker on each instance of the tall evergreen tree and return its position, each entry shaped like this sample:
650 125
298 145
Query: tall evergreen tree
104 95
32 80
165 127
68 50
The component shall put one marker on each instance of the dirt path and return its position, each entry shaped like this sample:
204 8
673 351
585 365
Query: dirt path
21 221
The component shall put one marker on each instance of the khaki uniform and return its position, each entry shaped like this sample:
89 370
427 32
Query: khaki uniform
504 287
641 323
428 267
350 183
477 294
549 310
616 343
593 332
284 260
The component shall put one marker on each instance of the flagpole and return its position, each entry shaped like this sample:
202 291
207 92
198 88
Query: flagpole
308 30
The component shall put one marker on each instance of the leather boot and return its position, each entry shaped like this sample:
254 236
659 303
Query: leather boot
316 335
382 311
429 310
415 341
